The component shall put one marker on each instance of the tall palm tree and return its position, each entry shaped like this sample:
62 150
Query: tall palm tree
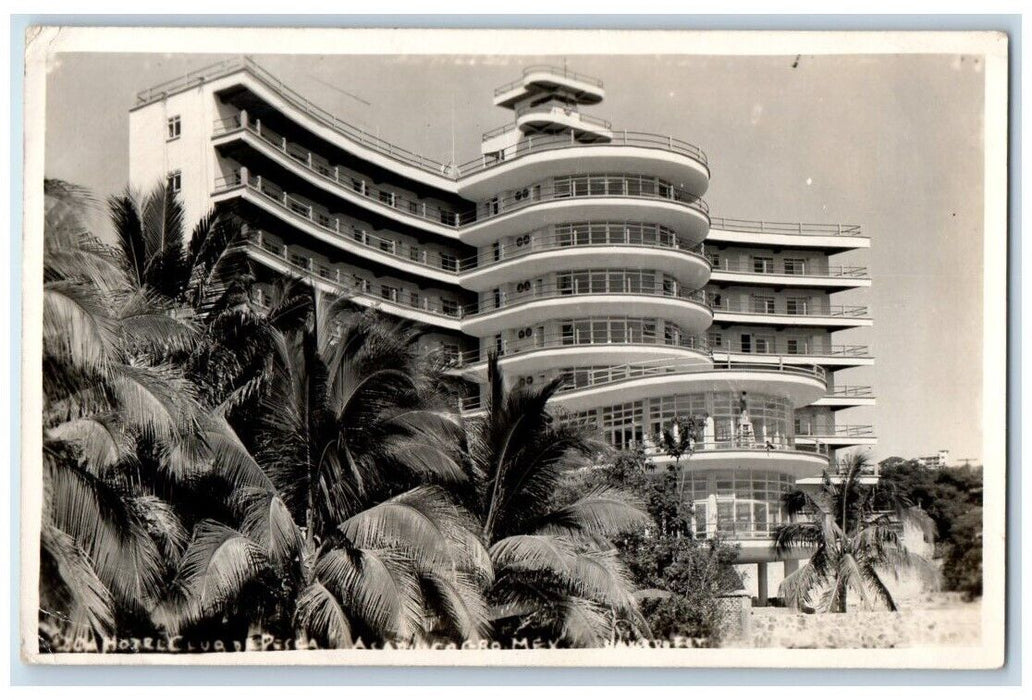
555 569
853 531
343 526
105 536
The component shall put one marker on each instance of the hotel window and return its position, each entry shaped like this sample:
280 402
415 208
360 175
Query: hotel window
449 262
175 181
175 127
450 307
762 305
797 306
414 299
763 346
795 346
795 266
388 292
716 340
387 198
763 265
714 259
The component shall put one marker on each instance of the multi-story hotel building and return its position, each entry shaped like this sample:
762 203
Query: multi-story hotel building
569 247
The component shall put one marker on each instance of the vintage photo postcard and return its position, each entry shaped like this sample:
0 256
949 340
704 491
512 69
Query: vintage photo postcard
480 347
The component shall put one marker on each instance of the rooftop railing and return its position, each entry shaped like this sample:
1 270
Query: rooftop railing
795 229
554 70
374 142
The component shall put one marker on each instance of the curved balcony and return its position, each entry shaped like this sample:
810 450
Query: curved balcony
590 387
553 118
588 197
587 246
830 277
833 315
545 78
537 157
830 237
550 301
329 280
553 350
783 455
334 180
336 231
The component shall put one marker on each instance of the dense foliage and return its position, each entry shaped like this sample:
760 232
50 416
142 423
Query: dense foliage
952 498
680 577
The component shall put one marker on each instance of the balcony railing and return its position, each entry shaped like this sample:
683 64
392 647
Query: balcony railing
782 348
588 377
793 229
343 228
307 267
538 144
333 173
648 188
837 431
498 131
554 70
629 337
560 110
555 291
577 378
599 236
829 310
833 271
847 391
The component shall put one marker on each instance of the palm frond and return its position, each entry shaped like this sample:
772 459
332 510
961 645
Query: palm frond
320 614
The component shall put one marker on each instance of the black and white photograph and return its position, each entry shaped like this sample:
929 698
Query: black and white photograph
523 347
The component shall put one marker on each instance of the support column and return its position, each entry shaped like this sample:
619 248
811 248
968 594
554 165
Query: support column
761 584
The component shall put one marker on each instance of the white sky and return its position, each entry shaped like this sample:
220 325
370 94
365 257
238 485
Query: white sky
892 143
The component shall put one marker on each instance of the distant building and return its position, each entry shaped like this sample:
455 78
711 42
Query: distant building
568 247
937 461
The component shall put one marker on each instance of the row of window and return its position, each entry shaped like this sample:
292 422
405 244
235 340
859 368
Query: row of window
764 264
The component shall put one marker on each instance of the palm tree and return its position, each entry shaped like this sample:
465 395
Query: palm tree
853 538
555 569
105 535
343 527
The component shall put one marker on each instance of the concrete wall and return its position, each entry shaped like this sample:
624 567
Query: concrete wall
153 156
954 623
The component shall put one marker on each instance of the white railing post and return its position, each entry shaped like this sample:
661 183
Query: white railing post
243 118
336 225
283 143
258 126
336 173
243 174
